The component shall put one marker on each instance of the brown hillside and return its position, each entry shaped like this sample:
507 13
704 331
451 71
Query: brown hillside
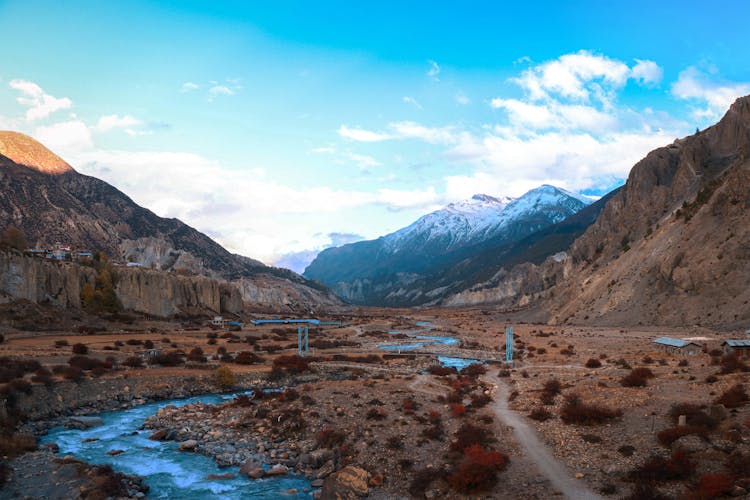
29 152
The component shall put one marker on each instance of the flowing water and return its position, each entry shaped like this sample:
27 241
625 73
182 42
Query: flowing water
169 472
428 340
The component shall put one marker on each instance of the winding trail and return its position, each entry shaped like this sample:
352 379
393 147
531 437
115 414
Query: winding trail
535 449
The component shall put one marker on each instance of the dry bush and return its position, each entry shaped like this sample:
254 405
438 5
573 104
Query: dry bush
442 371
478 470
575 411
738 464
672 434
457 409
242 400
711 486
85 363
473 370
593 363
80 349
247 358
395 442
468 435
61 343
734 397
638 377
376 414
422 479
293 364
170 358
196 355
731 363
540 414
133 362
329 437
657 469
553 386
694 415
480 400
224 378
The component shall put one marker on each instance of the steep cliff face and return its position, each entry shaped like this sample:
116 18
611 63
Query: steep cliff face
41 281
165 295
140 290
672 247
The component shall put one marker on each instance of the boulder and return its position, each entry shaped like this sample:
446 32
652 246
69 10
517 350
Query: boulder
278 470
325 470
83 422
321 456
213 477
159 435
719 412
188 445
350 483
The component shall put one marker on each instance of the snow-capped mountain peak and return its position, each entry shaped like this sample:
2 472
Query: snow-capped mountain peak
481 217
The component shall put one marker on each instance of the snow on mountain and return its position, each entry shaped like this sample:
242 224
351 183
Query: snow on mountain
482 217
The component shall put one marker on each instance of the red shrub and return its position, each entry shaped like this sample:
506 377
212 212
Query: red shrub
457 409
480 400
441 371
80 349
473 370
657 469
247 358
434 432
85 363
133 362
711 486
575 411
672 434
292 364
733 397
638 377
553 386
409 404
593 363
196 355
478 471
468 435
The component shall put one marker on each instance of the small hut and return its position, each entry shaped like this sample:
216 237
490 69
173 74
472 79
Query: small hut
677 346
740 347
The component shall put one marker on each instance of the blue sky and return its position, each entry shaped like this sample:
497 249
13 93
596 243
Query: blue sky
280 131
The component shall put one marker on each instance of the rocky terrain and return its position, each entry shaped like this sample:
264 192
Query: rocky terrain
669 248
50 202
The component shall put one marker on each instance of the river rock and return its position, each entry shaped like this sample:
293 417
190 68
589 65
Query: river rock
325 470
188 445
159 435
316 483
350 483
114 453
278 470
213 477
84 422
321 456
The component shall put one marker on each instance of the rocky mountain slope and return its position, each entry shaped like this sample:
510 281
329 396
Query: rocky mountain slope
410 266
46 198
672 247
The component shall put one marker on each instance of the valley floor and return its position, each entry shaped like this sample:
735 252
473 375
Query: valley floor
380 411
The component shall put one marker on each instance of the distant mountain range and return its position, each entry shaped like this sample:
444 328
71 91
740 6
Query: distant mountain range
45 197
410 266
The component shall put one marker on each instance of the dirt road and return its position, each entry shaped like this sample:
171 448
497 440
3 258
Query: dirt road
535 449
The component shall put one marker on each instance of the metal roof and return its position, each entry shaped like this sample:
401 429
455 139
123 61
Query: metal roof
673 342
737 343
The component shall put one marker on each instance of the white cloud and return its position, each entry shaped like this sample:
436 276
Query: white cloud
434 70
325 149
189 87
462 99
65 138
363 161
583 75
108 122
40 104
410 100
220 90
413 130
647 72
716 96
399 199
361 135
554 115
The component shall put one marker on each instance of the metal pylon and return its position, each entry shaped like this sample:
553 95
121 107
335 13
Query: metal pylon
303 346
509 344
